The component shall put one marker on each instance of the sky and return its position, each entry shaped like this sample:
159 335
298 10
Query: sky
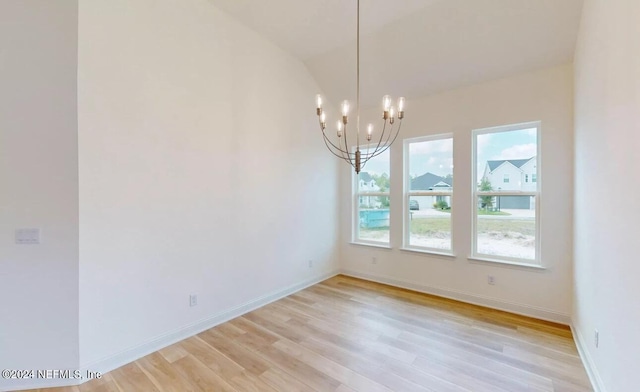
521 144
436 156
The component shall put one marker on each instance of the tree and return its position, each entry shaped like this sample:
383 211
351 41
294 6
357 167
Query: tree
441 204
382 181
449 178
486 202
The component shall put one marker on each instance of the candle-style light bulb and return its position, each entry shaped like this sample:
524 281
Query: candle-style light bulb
386 103
323 118
392 113
369 131
318 104
339 125
345 111
345 108
400 108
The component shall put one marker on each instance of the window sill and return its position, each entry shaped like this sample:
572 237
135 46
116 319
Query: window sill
371 245
429 252
506 263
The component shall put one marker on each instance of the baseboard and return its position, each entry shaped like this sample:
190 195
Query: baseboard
129 355
512 307
589 365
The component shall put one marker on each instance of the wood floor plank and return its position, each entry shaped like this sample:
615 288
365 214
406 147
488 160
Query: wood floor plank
335 370
200 376
73 388
212 358
131 378
248 382
240 355
283 381
173 353
103 384
161 373
347 334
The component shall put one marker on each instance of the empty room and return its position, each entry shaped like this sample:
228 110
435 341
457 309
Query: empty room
333 195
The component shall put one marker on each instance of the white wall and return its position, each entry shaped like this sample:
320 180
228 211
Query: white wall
186 118
38 185
607 136
544 95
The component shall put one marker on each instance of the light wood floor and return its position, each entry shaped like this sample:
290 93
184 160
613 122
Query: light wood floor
346 334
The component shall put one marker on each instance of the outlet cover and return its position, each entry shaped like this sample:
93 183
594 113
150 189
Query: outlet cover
27 236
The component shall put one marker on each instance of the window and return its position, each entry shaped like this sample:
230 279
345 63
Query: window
526 178
506 219
428 184
371 212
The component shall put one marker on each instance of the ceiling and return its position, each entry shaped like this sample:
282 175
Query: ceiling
414 47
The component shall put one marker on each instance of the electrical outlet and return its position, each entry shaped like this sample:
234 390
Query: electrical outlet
310 263
374 260
491 280
27 236
193 300
596 337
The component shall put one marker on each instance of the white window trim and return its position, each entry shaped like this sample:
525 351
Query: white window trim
406 213
475 194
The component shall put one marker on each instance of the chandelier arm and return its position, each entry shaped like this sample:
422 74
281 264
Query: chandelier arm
375 150
387 144
392 141
384 127
328 141
335 149
346 148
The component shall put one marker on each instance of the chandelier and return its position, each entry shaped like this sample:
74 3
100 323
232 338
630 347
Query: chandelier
383 140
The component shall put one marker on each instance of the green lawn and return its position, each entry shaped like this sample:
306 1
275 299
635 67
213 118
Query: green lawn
428 226
487 212
483 212
525 227
432 225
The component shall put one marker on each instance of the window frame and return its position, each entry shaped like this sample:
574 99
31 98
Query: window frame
475 194
355 207
407 194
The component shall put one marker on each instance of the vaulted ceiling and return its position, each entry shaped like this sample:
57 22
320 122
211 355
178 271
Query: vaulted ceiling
414 47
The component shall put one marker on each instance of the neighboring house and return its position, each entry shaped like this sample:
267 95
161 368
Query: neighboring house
512 175
431 182
366 183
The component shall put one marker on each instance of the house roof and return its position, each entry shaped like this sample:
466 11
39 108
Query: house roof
515 162
427 181
365 176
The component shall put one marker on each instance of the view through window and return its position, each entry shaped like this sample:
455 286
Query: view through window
428 192
506 193
372 200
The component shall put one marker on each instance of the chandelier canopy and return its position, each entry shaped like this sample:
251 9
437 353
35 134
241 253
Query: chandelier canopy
341 146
